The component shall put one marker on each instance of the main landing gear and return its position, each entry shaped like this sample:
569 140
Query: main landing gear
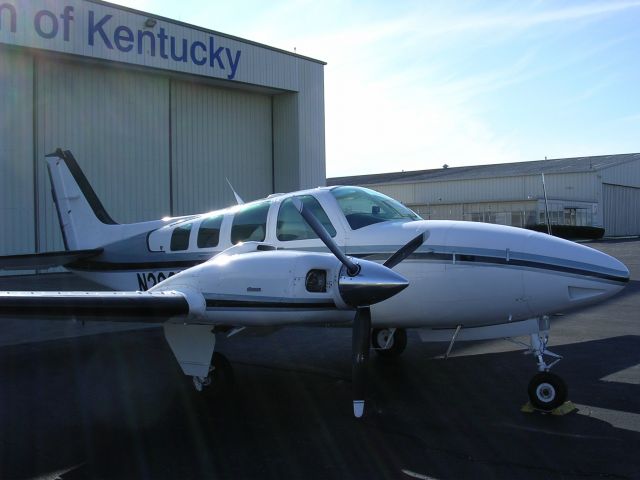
389 342
219 378
547 391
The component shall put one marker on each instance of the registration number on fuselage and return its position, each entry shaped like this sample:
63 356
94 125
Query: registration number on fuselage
151 279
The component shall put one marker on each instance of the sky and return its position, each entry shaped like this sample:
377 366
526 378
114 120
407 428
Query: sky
415 84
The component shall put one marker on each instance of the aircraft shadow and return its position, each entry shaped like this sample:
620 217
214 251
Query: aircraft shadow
117 405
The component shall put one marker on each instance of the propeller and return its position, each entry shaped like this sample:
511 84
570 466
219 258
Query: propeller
352 268
405 251
361 285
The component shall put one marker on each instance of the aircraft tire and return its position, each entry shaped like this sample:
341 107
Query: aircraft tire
547 391
222 379
398 344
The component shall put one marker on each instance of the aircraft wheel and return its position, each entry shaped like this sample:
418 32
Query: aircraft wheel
220 378
547 391
380 336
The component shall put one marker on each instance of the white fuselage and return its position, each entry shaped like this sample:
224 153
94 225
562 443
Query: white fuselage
495 274
466 273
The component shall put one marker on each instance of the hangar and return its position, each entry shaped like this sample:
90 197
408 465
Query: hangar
158 113
600 191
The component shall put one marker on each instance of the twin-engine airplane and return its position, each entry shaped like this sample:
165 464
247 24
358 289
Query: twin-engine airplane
264 264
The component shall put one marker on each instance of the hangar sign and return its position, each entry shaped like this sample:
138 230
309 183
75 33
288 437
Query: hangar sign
96 30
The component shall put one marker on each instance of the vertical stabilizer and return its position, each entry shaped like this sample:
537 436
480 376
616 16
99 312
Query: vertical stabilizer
83 219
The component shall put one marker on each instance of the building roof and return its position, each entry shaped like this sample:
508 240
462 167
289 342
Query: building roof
558 165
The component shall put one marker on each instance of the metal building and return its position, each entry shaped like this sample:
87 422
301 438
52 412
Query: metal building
158 114
601 191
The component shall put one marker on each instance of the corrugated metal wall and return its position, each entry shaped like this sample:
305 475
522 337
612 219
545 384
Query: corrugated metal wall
286 142
627 174
16 154
116 123
574 186
143 141
150 143
298 132
460 199
216 134
311 125
620 205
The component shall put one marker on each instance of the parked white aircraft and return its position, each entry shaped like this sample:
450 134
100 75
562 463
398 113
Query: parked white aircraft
259 265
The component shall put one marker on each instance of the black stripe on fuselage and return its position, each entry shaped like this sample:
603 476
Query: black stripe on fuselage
214 303
90 265
466 258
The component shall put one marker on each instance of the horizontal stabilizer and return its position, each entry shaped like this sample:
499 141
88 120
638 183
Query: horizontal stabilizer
151 307
41 261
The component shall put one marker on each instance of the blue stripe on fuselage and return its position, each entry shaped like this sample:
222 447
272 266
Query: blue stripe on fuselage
445 253
430 253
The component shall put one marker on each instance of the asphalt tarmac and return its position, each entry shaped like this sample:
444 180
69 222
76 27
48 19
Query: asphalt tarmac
116 405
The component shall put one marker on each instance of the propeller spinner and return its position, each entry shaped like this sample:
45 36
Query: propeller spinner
362 284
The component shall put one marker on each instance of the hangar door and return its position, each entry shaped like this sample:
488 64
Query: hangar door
218 134
621 210
16 153
115 122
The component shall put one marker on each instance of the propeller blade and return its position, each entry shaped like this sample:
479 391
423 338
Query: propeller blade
405 251
364 284
361 338
321 232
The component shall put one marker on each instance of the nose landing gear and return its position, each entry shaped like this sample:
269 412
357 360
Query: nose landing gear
547 391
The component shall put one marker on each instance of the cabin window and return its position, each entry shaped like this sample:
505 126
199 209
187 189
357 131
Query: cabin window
180 237
209 232
250 223
291 225
363 207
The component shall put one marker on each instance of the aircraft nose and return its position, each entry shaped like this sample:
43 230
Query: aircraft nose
576 275
619 269
578 258
602 265
609 273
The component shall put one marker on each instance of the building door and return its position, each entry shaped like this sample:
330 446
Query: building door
621 207
219 134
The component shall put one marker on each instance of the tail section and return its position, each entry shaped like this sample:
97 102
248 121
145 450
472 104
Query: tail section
83 219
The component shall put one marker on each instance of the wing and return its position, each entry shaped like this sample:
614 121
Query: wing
39 261
151 307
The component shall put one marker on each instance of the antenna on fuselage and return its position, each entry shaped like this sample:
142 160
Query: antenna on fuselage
239 200
546 205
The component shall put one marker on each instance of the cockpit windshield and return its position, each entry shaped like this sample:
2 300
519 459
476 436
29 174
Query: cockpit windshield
363 207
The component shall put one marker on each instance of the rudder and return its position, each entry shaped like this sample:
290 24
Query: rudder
83 219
